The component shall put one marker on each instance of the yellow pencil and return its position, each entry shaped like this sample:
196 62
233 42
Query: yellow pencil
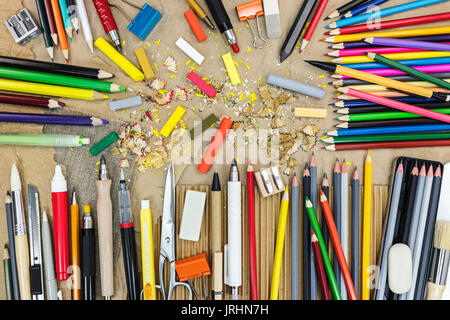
367 224
50 90
370 87
389 34
279 246
148 263
394 56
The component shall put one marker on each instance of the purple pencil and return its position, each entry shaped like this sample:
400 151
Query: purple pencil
425 45
51 119
363 44
394 72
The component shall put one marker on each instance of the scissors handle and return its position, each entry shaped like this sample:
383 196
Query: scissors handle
172 282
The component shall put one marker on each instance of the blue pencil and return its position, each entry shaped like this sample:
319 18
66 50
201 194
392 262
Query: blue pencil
66 18
294 240
411 62
364 103
382 13
363 8
388 130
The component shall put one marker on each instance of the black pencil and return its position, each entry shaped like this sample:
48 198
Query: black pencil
387 109
405 219
45 27
386 123
345 8
306 237
326 191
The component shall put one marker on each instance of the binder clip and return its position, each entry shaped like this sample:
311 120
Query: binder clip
145 20
248 11
22 27
192 268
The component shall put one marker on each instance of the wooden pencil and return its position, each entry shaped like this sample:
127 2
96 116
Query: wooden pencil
344 222
367 225
320 268
60 29
354 264
294 240
313 197
326 190
252 232
337 205
306 238
388 145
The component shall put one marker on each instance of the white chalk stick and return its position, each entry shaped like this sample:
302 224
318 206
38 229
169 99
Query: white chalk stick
189 50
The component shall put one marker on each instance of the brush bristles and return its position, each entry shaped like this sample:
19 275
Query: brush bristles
442 235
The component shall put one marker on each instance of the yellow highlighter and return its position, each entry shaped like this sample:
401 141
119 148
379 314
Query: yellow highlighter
279 246
148 262
120 60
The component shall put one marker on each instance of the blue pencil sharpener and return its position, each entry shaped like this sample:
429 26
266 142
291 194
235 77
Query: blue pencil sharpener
145 21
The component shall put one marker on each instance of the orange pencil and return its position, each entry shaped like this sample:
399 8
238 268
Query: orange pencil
75 241
60 29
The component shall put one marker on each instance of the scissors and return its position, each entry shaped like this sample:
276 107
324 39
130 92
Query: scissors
167 245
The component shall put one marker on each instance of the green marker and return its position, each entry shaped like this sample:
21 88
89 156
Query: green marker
43 140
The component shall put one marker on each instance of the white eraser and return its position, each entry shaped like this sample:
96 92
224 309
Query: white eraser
189 50
191 221
399 268
272 17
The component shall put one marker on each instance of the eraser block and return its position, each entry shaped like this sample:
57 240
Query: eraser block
191 221
145 21
195 25
399 268
272 16
310 113
231 69
125 103
172 122
145 63
189 50
199 82
296 86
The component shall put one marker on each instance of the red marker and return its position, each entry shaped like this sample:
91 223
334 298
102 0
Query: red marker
60 224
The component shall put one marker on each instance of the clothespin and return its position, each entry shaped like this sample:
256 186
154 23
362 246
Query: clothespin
145 20
192 268
22 27
249 11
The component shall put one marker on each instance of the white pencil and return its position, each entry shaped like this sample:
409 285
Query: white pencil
85 24
344 222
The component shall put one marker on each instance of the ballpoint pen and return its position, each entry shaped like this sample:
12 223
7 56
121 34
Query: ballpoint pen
108 22
223 22
88 254
60 224
75 246
12 248
34 226
200 13
128 244
233 250
104 222
148 260
216 239
51 287
21 238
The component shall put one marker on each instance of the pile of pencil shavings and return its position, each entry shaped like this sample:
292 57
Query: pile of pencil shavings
163 97
151 150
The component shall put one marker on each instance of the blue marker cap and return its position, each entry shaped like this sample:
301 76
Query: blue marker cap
145 21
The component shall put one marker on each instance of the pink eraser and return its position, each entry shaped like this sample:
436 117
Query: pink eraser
199 82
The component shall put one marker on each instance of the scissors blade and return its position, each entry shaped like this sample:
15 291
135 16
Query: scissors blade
168 225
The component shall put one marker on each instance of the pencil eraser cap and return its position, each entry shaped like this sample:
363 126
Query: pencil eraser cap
399 268
145 204
144 22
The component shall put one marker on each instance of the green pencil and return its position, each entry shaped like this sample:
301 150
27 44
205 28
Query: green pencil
412 72
8 275
386 115
61 80
389 137
323 249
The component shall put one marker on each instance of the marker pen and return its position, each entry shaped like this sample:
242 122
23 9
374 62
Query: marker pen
222 20
60 224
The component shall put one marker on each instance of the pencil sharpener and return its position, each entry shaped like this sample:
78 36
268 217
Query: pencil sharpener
144 22
22 27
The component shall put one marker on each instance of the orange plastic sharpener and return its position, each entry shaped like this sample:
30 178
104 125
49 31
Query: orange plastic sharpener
192 267
249 10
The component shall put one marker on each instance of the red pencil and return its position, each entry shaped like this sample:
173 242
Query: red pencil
338 247
390 24
313 24
388 145
251 232
320 268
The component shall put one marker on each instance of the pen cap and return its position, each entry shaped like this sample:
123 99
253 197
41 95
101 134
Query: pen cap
59 183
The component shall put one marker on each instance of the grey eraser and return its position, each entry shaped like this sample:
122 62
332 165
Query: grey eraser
125 103
296 86
273 26
191 221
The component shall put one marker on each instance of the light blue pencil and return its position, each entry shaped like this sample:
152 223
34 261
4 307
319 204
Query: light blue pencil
294 239
371 5
66 18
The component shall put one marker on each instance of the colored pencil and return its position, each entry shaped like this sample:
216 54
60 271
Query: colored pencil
394 72
313 24
390 94
344 8
387 109
374 87
366 7
72 10
279 246
367 226
421 45
326 190
51 119
383 13
60 80
251 232
337 206
50 90
338 248
320 268
344 222
313 197
403 78
328 268
363 103
388 137
87 33
387 123
428 236
379 50
60 29
380 25
45 27
7 273
30 101
388 236
354 263
443 83
425 92
388 145
362 44
387 130
306 236
294 240
409 62
66 18
393 56
51 21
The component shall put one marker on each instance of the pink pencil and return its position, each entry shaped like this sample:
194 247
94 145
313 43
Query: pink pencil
387 94
396 104
379 50
394 72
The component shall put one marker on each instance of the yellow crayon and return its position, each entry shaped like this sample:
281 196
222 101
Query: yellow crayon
395 56
231 69
172 122
145 63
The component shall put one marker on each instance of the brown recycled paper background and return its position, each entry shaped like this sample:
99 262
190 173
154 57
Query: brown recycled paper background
36 164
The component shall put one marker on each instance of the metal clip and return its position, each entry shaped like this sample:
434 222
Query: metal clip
248 11
22 27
